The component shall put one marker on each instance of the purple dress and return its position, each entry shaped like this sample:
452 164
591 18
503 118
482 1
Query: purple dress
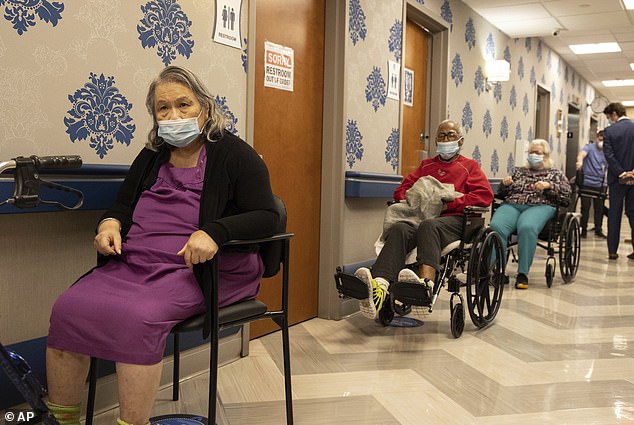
124 310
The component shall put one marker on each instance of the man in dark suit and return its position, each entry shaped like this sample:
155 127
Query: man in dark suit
618 147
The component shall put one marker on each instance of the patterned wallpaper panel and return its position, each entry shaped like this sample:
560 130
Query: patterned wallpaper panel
493 118
74 74
374 36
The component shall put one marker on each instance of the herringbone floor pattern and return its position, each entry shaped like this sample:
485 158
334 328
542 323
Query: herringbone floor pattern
560 355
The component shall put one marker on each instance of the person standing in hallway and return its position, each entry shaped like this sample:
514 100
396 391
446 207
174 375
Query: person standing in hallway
591 163
619 154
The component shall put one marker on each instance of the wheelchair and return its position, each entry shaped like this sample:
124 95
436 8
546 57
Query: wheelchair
561 237
478 255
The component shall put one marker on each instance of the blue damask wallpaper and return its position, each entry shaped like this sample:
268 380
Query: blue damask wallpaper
22 13
165 26
77 72
99 113
497 118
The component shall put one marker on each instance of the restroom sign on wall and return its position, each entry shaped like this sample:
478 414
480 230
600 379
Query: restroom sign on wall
279 65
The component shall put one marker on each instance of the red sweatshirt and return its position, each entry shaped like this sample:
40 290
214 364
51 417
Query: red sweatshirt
464 173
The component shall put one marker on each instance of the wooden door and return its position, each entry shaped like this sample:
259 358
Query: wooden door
288 134
416 58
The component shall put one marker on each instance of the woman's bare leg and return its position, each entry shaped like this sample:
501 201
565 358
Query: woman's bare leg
138 385
66 374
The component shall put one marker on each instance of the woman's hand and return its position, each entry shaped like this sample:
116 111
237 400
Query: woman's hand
199 248
108 238
542 185
507 181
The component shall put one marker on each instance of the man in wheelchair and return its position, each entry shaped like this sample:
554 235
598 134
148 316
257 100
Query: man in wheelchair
530 196
432 234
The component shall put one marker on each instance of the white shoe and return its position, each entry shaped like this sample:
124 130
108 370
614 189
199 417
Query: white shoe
376 294
408 276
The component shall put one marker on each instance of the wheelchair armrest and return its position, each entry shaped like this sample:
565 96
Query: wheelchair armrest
273 238
472 209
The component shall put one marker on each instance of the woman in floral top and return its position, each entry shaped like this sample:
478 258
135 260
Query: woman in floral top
530 196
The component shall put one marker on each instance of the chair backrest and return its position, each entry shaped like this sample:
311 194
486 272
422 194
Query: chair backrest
271 252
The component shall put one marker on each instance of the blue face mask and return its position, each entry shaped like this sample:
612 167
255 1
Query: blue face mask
179 133
535 159
447 150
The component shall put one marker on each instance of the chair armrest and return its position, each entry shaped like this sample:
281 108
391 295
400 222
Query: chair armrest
276 237
472 209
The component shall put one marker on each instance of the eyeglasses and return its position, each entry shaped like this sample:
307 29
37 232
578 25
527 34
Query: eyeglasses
451 135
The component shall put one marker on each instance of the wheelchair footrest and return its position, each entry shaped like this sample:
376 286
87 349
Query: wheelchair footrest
411 293
351 286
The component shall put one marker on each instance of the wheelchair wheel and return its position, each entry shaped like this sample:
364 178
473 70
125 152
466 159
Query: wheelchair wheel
386 314
569 248
485 278
550 271
457 320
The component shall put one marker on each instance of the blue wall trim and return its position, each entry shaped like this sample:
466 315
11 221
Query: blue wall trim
371 185
376 185
99 184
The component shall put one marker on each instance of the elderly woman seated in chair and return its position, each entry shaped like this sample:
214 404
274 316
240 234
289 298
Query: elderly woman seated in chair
432 234
193 187
530 197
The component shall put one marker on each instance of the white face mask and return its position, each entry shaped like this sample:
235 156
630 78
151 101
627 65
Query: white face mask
179 133
447 150
535 159
600 145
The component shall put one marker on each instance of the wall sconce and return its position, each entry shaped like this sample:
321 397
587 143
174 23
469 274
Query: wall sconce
496 71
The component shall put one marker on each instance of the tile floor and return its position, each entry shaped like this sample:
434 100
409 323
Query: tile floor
553 356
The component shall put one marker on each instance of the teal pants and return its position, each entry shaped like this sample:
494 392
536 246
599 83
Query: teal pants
527 221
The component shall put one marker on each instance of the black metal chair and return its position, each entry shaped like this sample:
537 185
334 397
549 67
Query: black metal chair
274 251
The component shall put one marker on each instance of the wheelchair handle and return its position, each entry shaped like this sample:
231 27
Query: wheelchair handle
27 181
56 162
42 163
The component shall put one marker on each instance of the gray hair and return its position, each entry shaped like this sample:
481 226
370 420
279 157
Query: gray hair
214 124
546 148
456 125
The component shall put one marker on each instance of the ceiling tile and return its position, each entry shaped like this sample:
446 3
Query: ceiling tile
627 47
595 20
629 36
485 4
514 13
576 38
528 27
581 7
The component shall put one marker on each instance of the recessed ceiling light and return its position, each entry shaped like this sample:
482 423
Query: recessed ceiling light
586 49
629 4
618 83
628 103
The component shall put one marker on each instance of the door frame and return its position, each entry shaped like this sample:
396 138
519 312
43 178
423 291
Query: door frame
542 117
437 77
330 305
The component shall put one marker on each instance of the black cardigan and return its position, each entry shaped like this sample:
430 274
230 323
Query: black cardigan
236 200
